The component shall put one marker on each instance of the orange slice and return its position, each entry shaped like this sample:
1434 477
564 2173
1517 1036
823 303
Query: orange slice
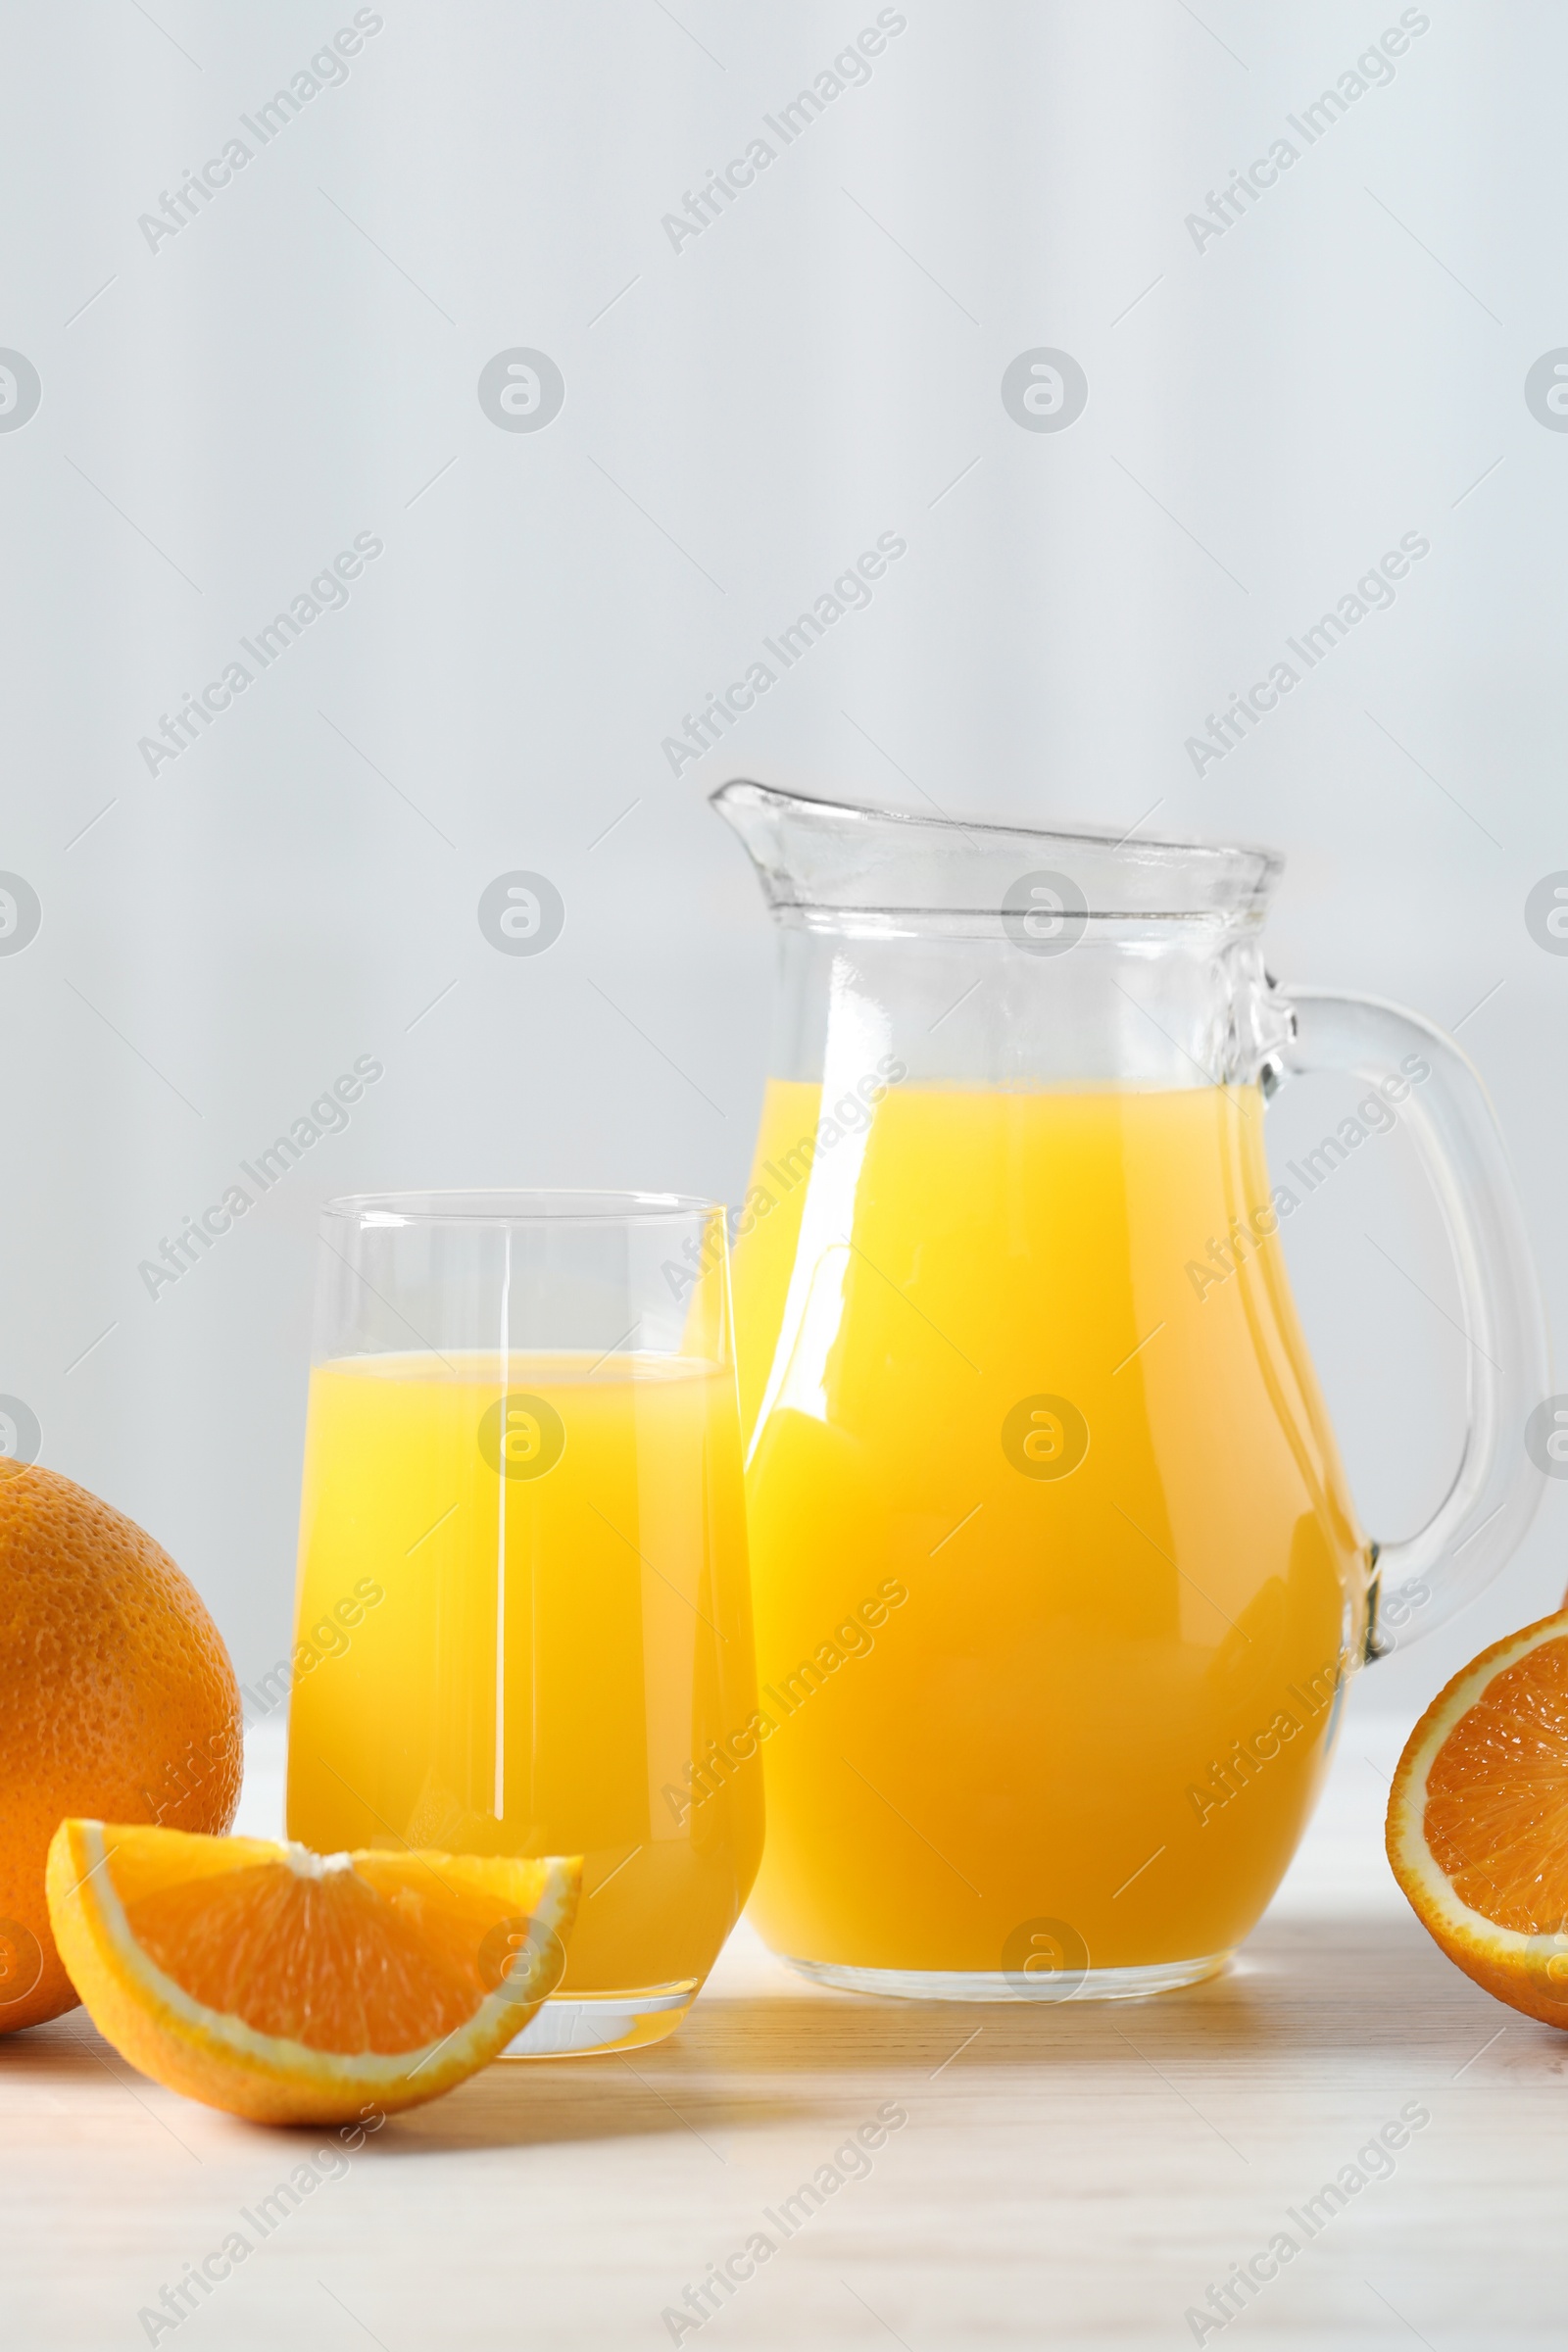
296 1987
1478 1820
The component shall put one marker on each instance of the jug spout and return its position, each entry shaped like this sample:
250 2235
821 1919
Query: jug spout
838 857
948 942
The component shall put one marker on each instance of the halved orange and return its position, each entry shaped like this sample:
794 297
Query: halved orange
297 1988
1478 1820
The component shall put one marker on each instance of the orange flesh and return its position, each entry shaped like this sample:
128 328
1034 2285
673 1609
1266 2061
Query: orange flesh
1497 1808
327 1961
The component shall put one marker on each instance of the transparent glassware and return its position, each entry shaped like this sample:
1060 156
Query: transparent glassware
524 1621
1056 1576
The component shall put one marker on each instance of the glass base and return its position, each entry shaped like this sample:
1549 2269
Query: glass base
585 2025
987 1984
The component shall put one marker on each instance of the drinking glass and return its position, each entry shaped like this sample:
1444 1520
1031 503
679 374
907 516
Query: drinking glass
525 1621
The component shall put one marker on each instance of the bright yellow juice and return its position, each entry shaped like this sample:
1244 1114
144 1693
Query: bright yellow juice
1107 1695
553 1647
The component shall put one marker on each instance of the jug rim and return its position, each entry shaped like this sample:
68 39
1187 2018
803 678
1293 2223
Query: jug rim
824 856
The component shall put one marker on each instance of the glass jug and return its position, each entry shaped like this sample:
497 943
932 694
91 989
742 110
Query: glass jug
1057 1579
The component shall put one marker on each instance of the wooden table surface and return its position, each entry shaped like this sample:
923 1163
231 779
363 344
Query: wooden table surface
1065 2175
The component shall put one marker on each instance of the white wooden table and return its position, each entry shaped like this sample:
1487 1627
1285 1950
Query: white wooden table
1065 2175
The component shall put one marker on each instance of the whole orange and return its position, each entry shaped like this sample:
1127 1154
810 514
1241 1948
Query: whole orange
117 1701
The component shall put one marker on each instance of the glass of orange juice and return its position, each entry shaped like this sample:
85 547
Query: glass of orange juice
524 1614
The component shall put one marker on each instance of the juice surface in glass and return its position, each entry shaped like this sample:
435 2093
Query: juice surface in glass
1056 1572
529 1663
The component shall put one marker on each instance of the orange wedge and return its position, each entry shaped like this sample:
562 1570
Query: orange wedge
1478 1820
296 1987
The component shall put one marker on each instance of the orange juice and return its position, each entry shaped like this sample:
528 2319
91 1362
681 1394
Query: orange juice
522 1617
1056 1572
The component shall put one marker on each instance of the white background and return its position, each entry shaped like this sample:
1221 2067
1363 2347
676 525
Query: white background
222 415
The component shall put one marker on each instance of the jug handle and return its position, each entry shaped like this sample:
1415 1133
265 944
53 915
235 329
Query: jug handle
1422 1579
